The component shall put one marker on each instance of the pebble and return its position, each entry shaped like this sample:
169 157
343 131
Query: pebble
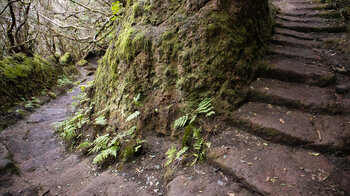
341 89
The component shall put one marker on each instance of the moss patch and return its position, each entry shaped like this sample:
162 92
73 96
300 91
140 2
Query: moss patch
22 77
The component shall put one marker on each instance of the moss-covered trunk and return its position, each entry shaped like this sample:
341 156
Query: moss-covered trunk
176 52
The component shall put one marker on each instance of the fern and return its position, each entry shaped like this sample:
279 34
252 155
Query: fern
69 132
170 155
205 107
101 120
120 136
180 153
84 145
136 99
100 143
181 122
104 154
132 116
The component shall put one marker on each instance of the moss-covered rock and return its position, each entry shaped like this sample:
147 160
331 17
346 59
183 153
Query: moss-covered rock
66 59
22 77
177 52
82 62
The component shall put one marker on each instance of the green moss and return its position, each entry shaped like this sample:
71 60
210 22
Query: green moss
66 59
137 9
82 62
174 53
124 43
25 77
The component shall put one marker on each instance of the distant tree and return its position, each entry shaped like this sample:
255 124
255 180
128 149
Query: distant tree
51 26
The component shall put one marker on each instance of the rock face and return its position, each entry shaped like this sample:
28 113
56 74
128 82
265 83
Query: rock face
176 51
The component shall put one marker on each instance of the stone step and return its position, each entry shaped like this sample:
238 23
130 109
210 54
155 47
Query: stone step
313 20
311 13
299 53
299 35
313 6
294 42
307 28
278 124
293 70
297 95
273 169
294 34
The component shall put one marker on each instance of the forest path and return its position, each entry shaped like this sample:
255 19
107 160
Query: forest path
33 161
292 137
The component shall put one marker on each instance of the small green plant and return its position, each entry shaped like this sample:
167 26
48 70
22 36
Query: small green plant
101 120
136 100
69 127
84 145
132 116
29 104
63 81
52 95
181 122
199 146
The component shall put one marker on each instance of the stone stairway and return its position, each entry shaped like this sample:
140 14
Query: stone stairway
293 136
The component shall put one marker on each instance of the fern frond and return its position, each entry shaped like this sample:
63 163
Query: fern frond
104 154
100 143
205 107
181 152
84 145
170 155
120 136
101 120
132 116
181 122
196 133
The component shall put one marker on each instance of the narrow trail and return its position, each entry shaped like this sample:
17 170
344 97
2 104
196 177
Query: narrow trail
291 138
34 161
293 134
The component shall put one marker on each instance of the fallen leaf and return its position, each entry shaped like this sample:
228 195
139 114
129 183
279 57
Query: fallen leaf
282 121
231 194
314 153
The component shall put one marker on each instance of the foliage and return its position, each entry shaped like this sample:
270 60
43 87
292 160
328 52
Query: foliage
101 120
111 151
69 127
181 122
170 155
63 81
132 116
24 77
116 7
29 104
199 146
84 145
205 107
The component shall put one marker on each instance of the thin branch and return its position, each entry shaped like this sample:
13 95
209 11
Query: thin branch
91 10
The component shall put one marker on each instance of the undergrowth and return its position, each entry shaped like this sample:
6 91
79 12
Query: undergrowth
121 145
192 139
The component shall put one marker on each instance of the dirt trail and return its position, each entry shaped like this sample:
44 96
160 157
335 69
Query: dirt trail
291 138
35 162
